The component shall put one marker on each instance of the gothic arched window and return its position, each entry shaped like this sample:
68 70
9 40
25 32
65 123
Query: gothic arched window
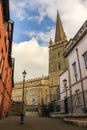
58 54
59 66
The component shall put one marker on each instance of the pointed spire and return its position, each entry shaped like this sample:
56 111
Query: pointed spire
59 33
50 42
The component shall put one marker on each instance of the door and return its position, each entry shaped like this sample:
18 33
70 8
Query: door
66 105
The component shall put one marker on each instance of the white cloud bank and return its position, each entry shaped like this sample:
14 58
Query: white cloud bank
29 55
73 12
32 57
43 36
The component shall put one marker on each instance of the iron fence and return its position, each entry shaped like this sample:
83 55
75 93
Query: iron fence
75 104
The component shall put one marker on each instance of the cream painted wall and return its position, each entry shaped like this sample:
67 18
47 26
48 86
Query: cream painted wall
72 57
17 95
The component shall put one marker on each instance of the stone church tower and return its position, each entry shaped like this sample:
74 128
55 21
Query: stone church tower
57 63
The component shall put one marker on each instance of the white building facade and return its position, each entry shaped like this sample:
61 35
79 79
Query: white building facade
76 53
64 91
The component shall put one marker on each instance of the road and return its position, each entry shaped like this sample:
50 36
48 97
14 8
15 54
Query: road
36 123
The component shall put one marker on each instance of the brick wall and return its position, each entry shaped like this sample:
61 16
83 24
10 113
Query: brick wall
5 65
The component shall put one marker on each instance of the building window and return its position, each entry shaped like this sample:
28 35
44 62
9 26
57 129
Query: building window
58 54
5 39
2 50
0 34
6 48
59 66
75 70
34 100
51 68
85 59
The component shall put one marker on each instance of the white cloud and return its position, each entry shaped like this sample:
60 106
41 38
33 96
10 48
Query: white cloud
43 36
29 55
73 13
32 57
18 9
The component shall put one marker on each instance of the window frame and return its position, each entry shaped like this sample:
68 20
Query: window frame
75 70
58 54
85 59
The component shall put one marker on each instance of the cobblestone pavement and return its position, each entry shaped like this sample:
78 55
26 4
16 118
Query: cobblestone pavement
36 123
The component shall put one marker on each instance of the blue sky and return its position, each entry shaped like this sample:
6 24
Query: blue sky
28 26
35 25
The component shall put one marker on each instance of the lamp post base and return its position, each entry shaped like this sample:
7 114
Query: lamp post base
84 110
22 119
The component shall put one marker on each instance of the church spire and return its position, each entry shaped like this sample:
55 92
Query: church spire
59 33
50 42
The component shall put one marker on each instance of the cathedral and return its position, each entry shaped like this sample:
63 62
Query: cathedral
57 63
39 93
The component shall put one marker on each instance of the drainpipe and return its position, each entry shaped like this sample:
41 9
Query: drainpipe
70 88
81 81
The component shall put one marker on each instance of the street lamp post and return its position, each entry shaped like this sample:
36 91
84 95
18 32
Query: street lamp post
22 113
65 86
66 101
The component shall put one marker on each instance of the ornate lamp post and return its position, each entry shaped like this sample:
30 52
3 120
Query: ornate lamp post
22 113
65 86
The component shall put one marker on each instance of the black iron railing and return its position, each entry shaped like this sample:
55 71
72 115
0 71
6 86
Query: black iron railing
77 105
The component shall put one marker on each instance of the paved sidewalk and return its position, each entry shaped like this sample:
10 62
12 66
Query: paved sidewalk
36 123
77 121
80 121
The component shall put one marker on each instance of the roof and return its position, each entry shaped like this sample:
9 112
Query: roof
73 42
5 4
